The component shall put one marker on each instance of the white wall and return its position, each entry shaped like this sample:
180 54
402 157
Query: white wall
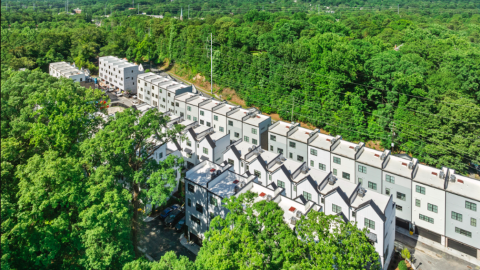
434 196
255 165
236 165
307 187
347 165
280 175
335 198
207 117
221 145
368 212
322 157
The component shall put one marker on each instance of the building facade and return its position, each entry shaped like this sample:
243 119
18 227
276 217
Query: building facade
119 73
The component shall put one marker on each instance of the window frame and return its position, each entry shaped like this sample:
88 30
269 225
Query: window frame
337 160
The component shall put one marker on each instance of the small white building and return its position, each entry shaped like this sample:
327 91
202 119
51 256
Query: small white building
64 69
319 151
343 157
235 155
119 73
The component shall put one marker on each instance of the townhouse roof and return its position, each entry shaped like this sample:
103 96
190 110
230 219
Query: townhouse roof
197 100
346 186
223 110
290 208
186 122
201 174
210 105
144 76
183 97
281 129
429 176
171 85
322 141
65 68
301 135
379 202
199 129
217 135
371 157
238 115
265 155
345 149
117 61
398 166
317 176
225 187
242 148
257 119
261 190
290 165
464 186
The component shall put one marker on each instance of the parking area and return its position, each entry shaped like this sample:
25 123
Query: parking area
157 239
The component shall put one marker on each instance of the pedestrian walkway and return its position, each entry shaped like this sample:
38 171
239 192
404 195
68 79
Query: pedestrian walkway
432 255
194 248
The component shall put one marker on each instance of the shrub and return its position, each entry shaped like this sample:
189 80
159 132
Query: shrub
405 253
402 266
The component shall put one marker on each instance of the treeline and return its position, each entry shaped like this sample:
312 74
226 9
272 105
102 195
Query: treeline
339 73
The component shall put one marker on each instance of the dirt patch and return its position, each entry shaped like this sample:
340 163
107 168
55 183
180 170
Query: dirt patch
230 95
375 145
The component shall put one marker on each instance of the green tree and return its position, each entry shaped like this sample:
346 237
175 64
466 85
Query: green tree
168 261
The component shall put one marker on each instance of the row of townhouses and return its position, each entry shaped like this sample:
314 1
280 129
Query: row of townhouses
119 73
65 70
208 183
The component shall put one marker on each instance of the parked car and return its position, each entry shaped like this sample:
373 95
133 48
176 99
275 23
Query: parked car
119 94
167 210
173 217
135 102
180 224
134 96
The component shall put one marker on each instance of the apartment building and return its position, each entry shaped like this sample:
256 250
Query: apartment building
343 158
206 111
220 117
235 124
171 89
297 139
428 202
397 177
181 103
65 70
206 185
278 136
462 214
369 165
119 73
255 128
193 107
319 151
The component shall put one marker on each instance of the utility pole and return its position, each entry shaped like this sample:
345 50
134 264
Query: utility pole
189 12
211 63
393 136
138 6
133 3
293 104
398 9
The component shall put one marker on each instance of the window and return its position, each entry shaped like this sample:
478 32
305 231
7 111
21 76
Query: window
372 185
281 184
254 141
456 216
336 208
213 201
354 214
176 104
346 175
399 208
292 144
362 169
401 196
257 174
390 179
431 207
420 189
322 167
299 158
280 150
269 177
230 161
188 108
230 123
189 143
273 137
307 195
313 152
311 163
202 122
290 155
189 202
191 188
425 218
369 223
189 117
195 219
473 222
202 113
194 118
387 191
236 134
335 172
463 232
205 150
221 129
295 188
199 208
168 94
215 117
254 131
208 124
417 203
471 206
245 138
271 147
337 160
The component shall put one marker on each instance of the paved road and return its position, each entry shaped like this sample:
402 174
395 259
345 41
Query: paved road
158 239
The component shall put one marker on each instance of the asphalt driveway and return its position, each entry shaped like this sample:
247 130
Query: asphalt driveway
158 239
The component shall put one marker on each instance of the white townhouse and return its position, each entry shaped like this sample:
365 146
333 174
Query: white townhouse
463 214
256 162
235 155
181 103
297 139
206 185
235 124
64 69
206 113
343 158
220 117
397 177
369 165
428 202
281 172
255 128
193 107
277 136
119 73
319 151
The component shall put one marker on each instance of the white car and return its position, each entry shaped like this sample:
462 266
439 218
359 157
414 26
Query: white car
119 95
134 97
135 102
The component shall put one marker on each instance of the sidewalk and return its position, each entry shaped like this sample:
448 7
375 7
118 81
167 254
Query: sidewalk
194 248
425 249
